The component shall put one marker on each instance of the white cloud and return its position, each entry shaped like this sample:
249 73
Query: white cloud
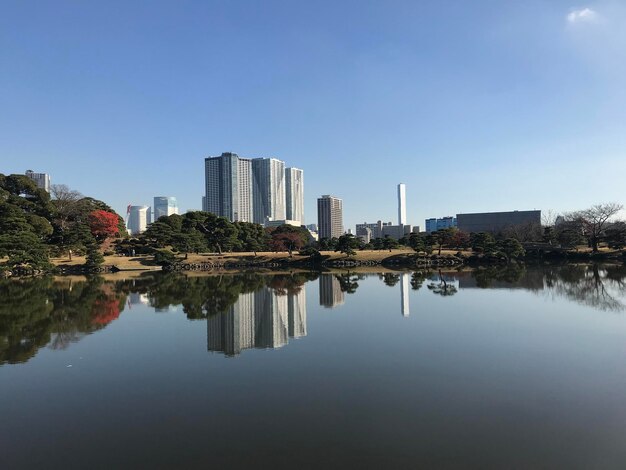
583 15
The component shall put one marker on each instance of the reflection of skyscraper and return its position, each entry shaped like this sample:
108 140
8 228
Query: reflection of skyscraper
135 298
260 319
270 319
404 293
330 291
231 332
297 313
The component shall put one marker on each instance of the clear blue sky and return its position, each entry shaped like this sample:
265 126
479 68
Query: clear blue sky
475 105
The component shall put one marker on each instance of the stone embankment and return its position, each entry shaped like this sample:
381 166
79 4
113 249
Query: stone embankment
403 261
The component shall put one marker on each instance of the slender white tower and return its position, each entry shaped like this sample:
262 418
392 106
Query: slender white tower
401 204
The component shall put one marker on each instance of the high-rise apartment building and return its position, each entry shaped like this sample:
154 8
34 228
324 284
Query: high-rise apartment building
268 189
330 216
164 206
252 190
294 191
138 219
401 204
228 187
42 179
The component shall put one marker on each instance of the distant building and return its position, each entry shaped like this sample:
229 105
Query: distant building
401 204
228 187
375 229
398 231
496 221
294 194
312 227
432 225
384 229
164 206
330 216
364 234
138 219
268 189
42 179
278 223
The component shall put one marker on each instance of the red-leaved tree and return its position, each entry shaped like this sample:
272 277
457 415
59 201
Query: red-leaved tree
286 241
103 224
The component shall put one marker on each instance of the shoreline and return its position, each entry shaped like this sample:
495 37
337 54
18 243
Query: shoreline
272 262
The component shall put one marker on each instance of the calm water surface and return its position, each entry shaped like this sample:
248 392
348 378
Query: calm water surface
496 368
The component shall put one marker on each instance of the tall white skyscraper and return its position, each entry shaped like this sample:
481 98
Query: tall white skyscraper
252 190
401 204
330 216
268 189
164 206
138 219
294 189
42 179
228 187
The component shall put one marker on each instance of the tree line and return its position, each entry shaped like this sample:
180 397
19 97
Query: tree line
35 225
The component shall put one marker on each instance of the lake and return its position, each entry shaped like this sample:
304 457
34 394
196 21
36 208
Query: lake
490 368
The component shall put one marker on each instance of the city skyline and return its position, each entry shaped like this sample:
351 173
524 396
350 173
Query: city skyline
520 99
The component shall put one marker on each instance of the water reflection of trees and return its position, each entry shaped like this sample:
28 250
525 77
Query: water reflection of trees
601 287
203 296
442 286
37 312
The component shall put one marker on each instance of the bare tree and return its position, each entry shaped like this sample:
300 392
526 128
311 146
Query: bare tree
65 201
548 218
525 232
595 220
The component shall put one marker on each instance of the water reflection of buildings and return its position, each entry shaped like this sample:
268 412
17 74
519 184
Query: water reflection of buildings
261 319
331 294
135 298
404 294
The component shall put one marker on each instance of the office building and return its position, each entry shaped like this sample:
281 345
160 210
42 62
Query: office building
164 206
496 221
42 179
228 187
330 216
268 189
433 224
401 204
138 219
294 193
